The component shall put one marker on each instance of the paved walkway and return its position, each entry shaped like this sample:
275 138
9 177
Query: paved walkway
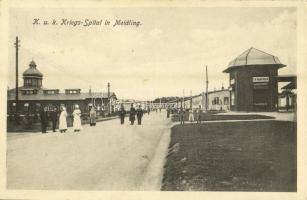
109 156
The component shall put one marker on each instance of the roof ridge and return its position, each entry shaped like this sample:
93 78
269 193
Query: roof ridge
249 50
262 51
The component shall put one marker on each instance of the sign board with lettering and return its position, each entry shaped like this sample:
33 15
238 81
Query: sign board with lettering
260 79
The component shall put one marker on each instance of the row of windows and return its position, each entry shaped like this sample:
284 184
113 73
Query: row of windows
218 101
33 82
25 92
72 91
51 91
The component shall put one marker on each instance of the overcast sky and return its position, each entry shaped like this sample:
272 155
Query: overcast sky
162 57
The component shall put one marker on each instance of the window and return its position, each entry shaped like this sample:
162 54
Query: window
226 100
29 81
34 82
50 107
216 101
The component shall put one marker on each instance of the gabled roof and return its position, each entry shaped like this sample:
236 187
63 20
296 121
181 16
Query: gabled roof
254 57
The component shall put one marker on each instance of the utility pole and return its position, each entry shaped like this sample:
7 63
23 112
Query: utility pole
17 45
183 99
191 99
207 82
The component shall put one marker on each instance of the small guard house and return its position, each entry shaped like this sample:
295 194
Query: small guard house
253 82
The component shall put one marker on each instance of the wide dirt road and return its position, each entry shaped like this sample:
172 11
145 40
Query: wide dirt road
109 156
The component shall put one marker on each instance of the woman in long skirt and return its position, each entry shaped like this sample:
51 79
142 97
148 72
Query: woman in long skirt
62 120
77 119
93 117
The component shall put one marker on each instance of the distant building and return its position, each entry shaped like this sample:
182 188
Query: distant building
32 96
253 79
217 100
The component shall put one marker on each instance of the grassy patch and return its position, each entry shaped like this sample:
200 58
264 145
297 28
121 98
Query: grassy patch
232 156
214 117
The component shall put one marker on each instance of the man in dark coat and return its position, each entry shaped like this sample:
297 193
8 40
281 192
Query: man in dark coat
122 114
54 118
148 110
168 112
199 114
44 119
132 114
139 114
181 115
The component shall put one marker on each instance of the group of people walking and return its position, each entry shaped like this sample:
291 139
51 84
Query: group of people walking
61 118
132 113
192 114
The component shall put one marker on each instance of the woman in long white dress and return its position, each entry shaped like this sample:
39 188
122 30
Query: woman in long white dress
62 120
77 119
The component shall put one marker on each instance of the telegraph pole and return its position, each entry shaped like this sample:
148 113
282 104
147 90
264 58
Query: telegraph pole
191 103
207 82
183 99
17 45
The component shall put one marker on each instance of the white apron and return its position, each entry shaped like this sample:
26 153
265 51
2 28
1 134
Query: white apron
62 120
77 120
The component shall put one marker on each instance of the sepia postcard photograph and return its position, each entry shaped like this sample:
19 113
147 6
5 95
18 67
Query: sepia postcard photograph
145 97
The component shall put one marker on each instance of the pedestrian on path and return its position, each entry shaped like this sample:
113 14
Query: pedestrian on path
199 114
122 114
54 118
77 119
139 114
93 116
168 112
181 115
63 120
191 115
44 119
132 114
148 110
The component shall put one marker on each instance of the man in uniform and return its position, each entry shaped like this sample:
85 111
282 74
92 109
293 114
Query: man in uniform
181 115
54 118
122 114
199 114
168 111
139 114
132 114
44 119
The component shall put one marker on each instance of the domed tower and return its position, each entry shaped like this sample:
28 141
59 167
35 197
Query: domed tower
253 81
32 77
